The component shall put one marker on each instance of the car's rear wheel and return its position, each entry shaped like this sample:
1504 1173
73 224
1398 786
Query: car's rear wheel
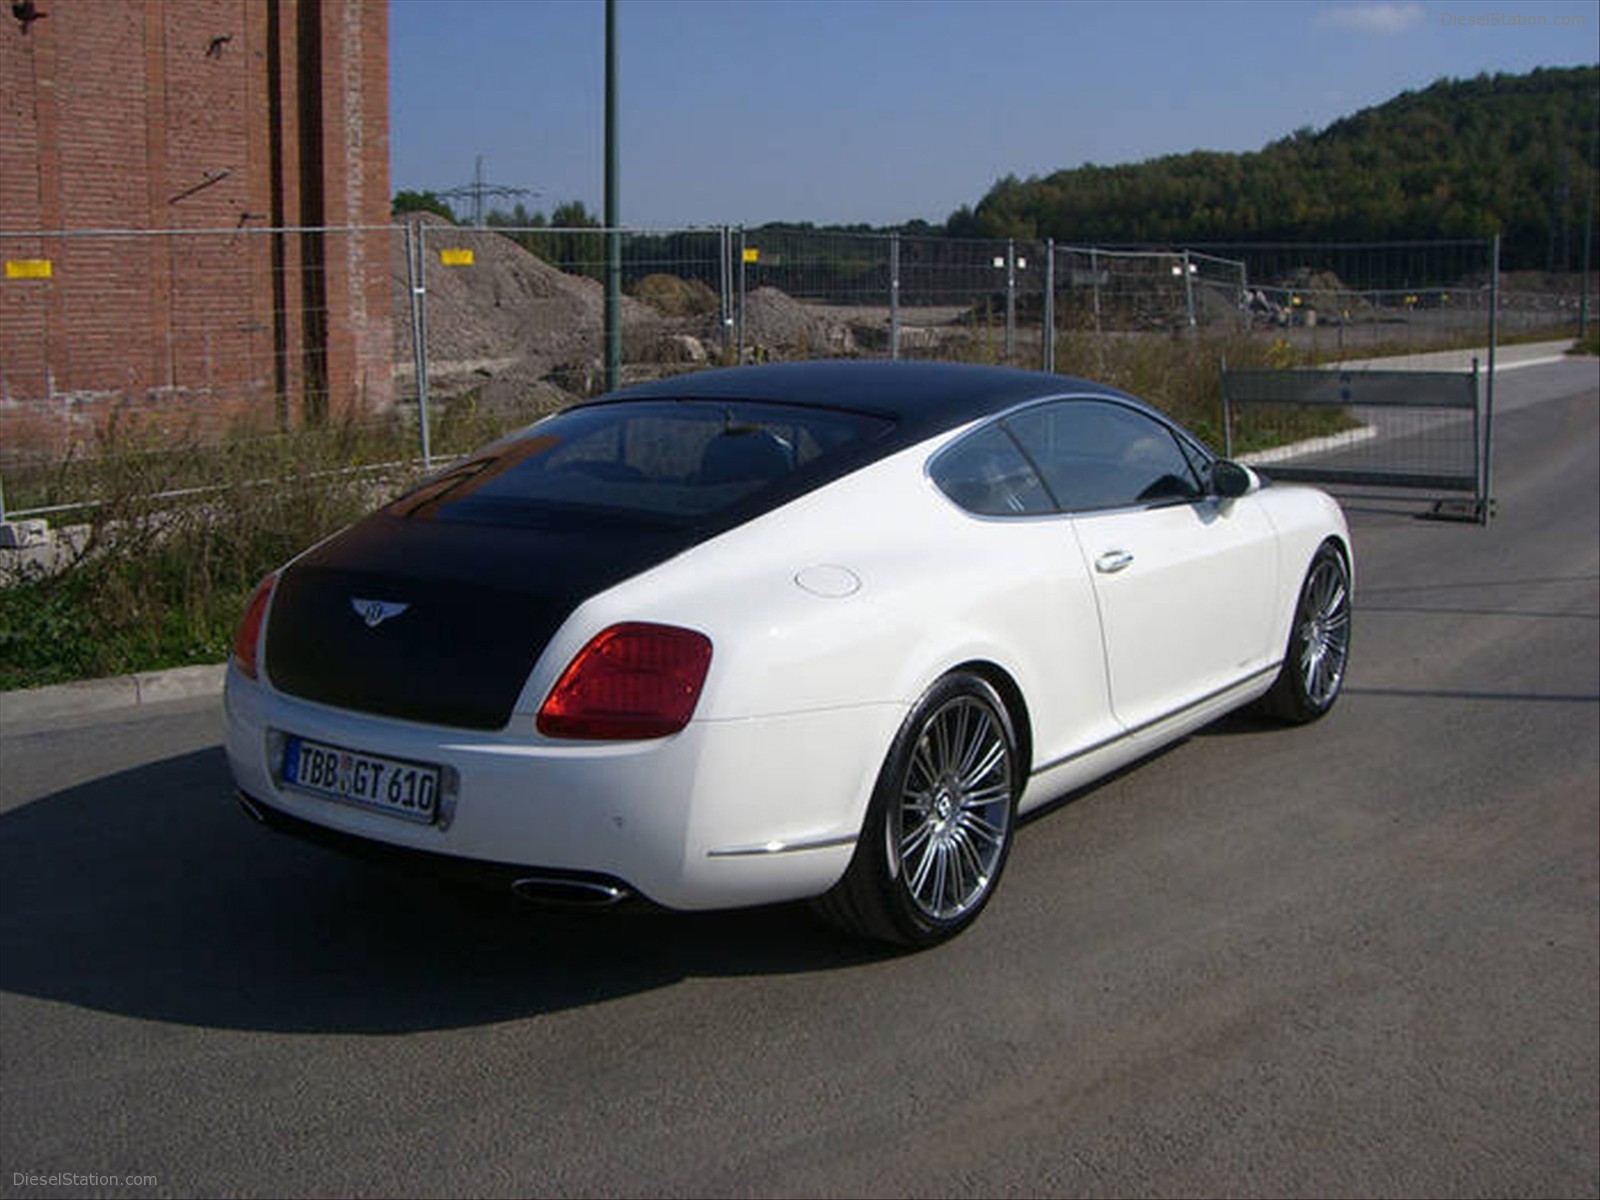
1319 643
939 827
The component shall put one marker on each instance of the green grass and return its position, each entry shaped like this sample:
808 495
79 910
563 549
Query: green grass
1182 376
151 583
179 529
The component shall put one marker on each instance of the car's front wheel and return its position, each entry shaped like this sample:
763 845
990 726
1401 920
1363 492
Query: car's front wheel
1319 643
939 827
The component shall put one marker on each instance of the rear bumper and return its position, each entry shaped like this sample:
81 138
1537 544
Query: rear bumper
575 889
722 815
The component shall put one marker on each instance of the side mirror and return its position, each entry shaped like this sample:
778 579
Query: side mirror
1229 479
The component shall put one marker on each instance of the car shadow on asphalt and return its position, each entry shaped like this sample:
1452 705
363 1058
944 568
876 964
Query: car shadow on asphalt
148 893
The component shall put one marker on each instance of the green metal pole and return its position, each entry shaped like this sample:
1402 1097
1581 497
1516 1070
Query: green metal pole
1588 236
613 313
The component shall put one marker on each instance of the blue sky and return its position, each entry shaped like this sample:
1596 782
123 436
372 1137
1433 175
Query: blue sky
881 111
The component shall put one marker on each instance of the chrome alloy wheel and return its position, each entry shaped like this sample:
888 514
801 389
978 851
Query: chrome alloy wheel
955 808
1323 641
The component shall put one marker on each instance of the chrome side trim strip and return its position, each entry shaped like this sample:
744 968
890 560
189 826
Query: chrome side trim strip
252 810
1270 669
782 847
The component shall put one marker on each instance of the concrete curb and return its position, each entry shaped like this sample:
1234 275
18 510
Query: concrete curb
1507 358
107 695
1316 445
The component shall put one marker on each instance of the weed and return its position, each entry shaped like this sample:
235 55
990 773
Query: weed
178 530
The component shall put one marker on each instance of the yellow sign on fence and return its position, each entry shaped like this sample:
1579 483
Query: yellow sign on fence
28 268
752 254
456 258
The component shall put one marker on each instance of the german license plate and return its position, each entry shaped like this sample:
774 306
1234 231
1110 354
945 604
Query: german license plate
408 790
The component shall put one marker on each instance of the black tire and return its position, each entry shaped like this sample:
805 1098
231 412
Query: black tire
939 827
1319 643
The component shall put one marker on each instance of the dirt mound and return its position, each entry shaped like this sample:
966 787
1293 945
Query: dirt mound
507 328
776 323
1325 291
509 313
1306 279
674 297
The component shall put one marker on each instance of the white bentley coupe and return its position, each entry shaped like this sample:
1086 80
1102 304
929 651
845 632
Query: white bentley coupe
814 630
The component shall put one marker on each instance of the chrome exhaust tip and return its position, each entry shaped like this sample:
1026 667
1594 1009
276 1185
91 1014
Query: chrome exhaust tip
570 893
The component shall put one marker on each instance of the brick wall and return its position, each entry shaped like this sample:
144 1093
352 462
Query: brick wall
233 117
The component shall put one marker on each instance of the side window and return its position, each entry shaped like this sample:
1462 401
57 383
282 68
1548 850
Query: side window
986 474
1097 454
1199 462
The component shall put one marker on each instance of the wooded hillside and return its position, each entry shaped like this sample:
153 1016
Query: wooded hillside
1508 154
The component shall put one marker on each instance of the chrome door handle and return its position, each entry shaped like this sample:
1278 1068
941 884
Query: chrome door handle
1112 561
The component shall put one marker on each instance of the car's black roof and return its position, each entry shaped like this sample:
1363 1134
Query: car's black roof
922 398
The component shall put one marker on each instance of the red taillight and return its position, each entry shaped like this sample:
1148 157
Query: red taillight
247 640
630 681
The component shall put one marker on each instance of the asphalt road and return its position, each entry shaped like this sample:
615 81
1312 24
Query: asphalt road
1359 958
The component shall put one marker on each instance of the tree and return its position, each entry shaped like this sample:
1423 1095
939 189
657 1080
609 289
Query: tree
1513 154
571 214
430 202
518 218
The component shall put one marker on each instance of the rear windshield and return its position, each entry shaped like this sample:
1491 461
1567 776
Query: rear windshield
673 462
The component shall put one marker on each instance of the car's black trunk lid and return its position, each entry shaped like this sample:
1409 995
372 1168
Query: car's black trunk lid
435 621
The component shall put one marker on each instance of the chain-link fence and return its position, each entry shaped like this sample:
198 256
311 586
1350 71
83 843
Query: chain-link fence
1145 291
440 333
1397 297
137 342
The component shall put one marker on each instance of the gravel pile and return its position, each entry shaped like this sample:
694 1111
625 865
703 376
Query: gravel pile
777 325
510 318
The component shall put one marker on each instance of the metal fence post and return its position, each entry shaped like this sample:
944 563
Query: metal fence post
1227 409
416 277
894 295
740 358
1094 278
1011 302
725 290
1243 300
1048 333
1188 288
1588 237
1477 436
1488 407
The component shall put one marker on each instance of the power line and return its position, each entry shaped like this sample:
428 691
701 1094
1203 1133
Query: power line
477 191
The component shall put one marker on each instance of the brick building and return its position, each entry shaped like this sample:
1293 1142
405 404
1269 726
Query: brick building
160 165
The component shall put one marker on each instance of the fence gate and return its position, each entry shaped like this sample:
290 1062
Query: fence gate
1423 432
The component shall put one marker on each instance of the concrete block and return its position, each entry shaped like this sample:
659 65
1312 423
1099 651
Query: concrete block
23 535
